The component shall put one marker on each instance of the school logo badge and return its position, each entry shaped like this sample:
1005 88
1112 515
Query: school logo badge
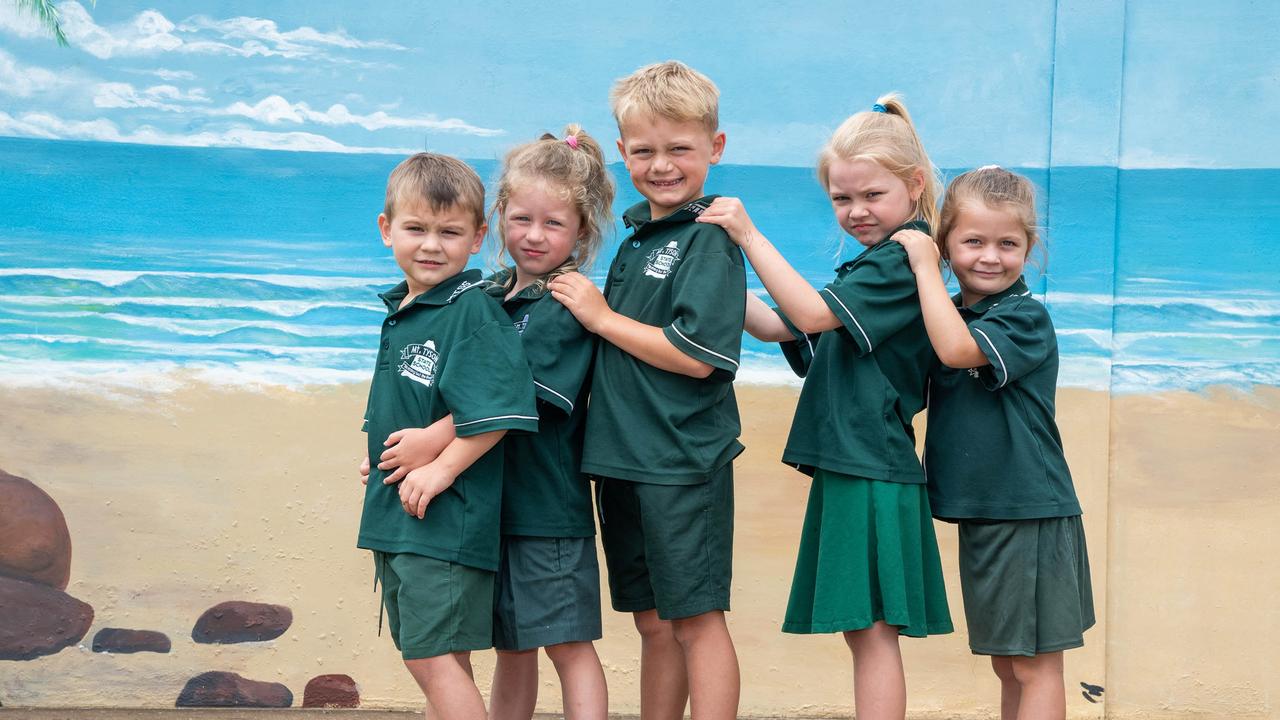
521 324
418 362
973 373
662 261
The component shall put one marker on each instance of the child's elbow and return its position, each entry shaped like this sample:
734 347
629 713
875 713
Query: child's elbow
700 370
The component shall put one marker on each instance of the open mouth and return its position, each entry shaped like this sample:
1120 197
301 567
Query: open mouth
666 184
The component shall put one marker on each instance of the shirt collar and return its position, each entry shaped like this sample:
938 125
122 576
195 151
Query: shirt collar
1018 288
497 282
920 225
638 216
442 294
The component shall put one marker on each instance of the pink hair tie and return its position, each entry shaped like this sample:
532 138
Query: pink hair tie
571 141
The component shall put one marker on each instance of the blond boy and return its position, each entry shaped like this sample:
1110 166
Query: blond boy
663 423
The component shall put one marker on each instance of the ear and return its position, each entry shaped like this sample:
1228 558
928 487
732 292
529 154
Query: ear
717 146
384 228
917 184
478 242
622 150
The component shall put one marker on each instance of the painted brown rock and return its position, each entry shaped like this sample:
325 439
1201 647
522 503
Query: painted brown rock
335 691
119 640
238 621
227 689
34 542
38 620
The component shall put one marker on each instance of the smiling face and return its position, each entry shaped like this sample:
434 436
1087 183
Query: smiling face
430 246
668 159
869 201
541 227
987 248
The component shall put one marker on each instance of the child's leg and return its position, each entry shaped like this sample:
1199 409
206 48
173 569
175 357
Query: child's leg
664 682
515 685
582 685
712 665
1043 694
446 681
1010 690
879 684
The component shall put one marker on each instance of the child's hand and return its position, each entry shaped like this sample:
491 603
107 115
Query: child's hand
582 298
411 448
364 471
728 213
421 486
922 251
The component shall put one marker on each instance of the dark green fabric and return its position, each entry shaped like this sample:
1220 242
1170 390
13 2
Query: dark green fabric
435 606
547 592
867 553
451 350
543 493
650 425
1026 585
993 450
668 547
865 380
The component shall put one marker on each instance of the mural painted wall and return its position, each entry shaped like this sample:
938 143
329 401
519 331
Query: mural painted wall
189 262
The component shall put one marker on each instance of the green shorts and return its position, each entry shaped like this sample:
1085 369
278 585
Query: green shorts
1026 585
668 547
435 607
547 592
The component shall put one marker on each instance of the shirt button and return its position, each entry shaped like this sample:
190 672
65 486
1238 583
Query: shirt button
391 322
622 267
386 344
635 243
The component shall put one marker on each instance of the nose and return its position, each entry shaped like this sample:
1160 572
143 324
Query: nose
857 210
535 233
661 163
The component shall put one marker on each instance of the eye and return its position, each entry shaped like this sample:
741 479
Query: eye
971 241
553 221
874 194
839 198
1009 243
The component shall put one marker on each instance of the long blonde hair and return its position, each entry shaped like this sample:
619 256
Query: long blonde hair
573 165
886 136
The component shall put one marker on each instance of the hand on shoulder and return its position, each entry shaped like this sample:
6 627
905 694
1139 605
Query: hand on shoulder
730 214
922 251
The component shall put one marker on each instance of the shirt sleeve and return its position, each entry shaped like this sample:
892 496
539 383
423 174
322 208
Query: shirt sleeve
486 383
560 352
877 298
709 305
799 351
1017 336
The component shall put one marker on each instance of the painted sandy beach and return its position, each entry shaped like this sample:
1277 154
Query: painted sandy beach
180 500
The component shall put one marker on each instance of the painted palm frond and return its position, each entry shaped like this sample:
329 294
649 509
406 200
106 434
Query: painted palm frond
47 13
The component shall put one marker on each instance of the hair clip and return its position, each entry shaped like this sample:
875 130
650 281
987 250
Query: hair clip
878 108
571 141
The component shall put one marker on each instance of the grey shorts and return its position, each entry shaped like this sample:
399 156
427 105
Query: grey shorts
547 592
1026 585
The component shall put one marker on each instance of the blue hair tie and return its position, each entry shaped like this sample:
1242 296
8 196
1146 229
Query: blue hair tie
878 108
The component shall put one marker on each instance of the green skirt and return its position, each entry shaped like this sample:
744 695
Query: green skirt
867 553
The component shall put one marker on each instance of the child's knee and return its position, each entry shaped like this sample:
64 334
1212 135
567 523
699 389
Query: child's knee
651 627
569 653
692 629
1003 668
1046 667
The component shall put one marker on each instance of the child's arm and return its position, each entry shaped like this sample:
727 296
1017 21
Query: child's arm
420 486
763 323
644 342
948 333
411 448
797 299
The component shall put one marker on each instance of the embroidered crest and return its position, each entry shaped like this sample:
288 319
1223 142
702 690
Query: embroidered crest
662 261
697 207
418 362
973 373
521 324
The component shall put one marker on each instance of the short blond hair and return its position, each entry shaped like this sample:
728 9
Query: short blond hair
443 182
886 136
995 188
670 90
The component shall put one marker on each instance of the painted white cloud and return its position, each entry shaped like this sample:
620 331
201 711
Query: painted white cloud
51 127
150 32
26 80
160 97
274 110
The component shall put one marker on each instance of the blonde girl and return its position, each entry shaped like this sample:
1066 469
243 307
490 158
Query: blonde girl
868 562
994 456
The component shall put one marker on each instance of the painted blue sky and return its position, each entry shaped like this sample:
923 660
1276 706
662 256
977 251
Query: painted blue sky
472 79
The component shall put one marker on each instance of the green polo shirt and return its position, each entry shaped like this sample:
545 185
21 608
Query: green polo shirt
864 380
653 426
543 493
993 451
451 350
